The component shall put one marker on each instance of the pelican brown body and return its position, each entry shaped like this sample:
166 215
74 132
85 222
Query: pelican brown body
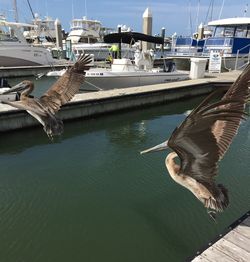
201 141
62 91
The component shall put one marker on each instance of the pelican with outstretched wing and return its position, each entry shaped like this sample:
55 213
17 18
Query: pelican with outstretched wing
201 141
62 91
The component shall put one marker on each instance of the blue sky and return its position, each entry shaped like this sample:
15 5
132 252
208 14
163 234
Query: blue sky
174 15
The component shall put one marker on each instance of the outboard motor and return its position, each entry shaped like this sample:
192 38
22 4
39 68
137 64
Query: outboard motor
4 82
169 66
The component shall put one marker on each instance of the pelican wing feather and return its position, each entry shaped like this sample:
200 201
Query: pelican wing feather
66 86
224 131
206 134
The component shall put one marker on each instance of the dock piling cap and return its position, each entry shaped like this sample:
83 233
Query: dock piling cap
198 60
147 13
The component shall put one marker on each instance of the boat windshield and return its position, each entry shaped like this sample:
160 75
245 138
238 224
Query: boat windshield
224 31
242 31
232 31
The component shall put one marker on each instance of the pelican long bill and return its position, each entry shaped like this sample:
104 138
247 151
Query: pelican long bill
19 87
162 146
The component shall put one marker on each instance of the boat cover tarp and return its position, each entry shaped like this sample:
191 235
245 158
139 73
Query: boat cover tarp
131 38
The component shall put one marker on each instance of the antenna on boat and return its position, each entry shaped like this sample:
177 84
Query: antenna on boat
190 18
15 10
210 12
46 6
31 10
72 9
245 11
222 5
197 16
86 13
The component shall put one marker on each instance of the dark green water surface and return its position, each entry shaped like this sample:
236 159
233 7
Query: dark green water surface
90 196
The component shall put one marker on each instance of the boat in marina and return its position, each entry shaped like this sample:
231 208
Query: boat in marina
140 71
229 38
42 32
87 36
84 30
15 51
125 72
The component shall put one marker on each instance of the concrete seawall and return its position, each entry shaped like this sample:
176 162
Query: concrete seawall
103 102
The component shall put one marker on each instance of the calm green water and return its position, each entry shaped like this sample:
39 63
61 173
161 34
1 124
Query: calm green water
90 196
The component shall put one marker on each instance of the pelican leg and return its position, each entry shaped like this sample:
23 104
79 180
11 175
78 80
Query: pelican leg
212 215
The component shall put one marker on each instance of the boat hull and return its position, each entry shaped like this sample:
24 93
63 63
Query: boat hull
23 55
112 80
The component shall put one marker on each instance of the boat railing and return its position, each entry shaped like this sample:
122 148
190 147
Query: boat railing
242 56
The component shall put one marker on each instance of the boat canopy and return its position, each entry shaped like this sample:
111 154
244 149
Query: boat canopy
131 38
231 21
5 23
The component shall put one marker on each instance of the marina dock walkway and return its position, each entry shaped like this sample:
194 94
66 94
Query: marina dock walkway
233 246
102 102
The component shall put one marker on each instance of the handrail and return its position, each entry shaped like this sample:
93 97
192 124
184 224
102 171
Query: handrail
237 57
243 47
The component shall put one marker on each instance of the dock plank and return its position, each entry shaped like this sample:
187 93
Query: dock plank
244 230
232 250
247 222
238 239
232 246
214 255
200 258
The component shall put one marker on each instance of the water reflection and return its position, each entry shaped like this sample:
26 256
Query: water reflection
92 192
121 131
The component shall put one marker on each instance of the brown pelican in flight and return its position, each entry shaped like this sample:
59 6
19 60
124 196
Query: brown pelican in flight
62 91
201 141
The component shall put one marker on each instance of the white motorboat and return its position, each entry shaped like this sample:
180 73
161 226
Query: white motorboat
42 32
84 30
15 51
126 73
86 36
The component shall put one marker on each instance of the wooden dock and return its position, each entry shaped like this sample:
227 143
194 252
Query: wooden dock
232 246
97 103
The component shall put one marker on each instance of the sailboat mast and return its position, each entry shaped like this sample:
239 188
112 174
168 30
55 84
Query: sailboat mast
197 16
15 10
72 9
222 5
31 9
86 13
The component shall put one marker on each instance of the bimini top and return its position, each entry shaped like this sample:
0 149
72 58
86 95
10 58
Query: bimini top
231 21
5 23
131 38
